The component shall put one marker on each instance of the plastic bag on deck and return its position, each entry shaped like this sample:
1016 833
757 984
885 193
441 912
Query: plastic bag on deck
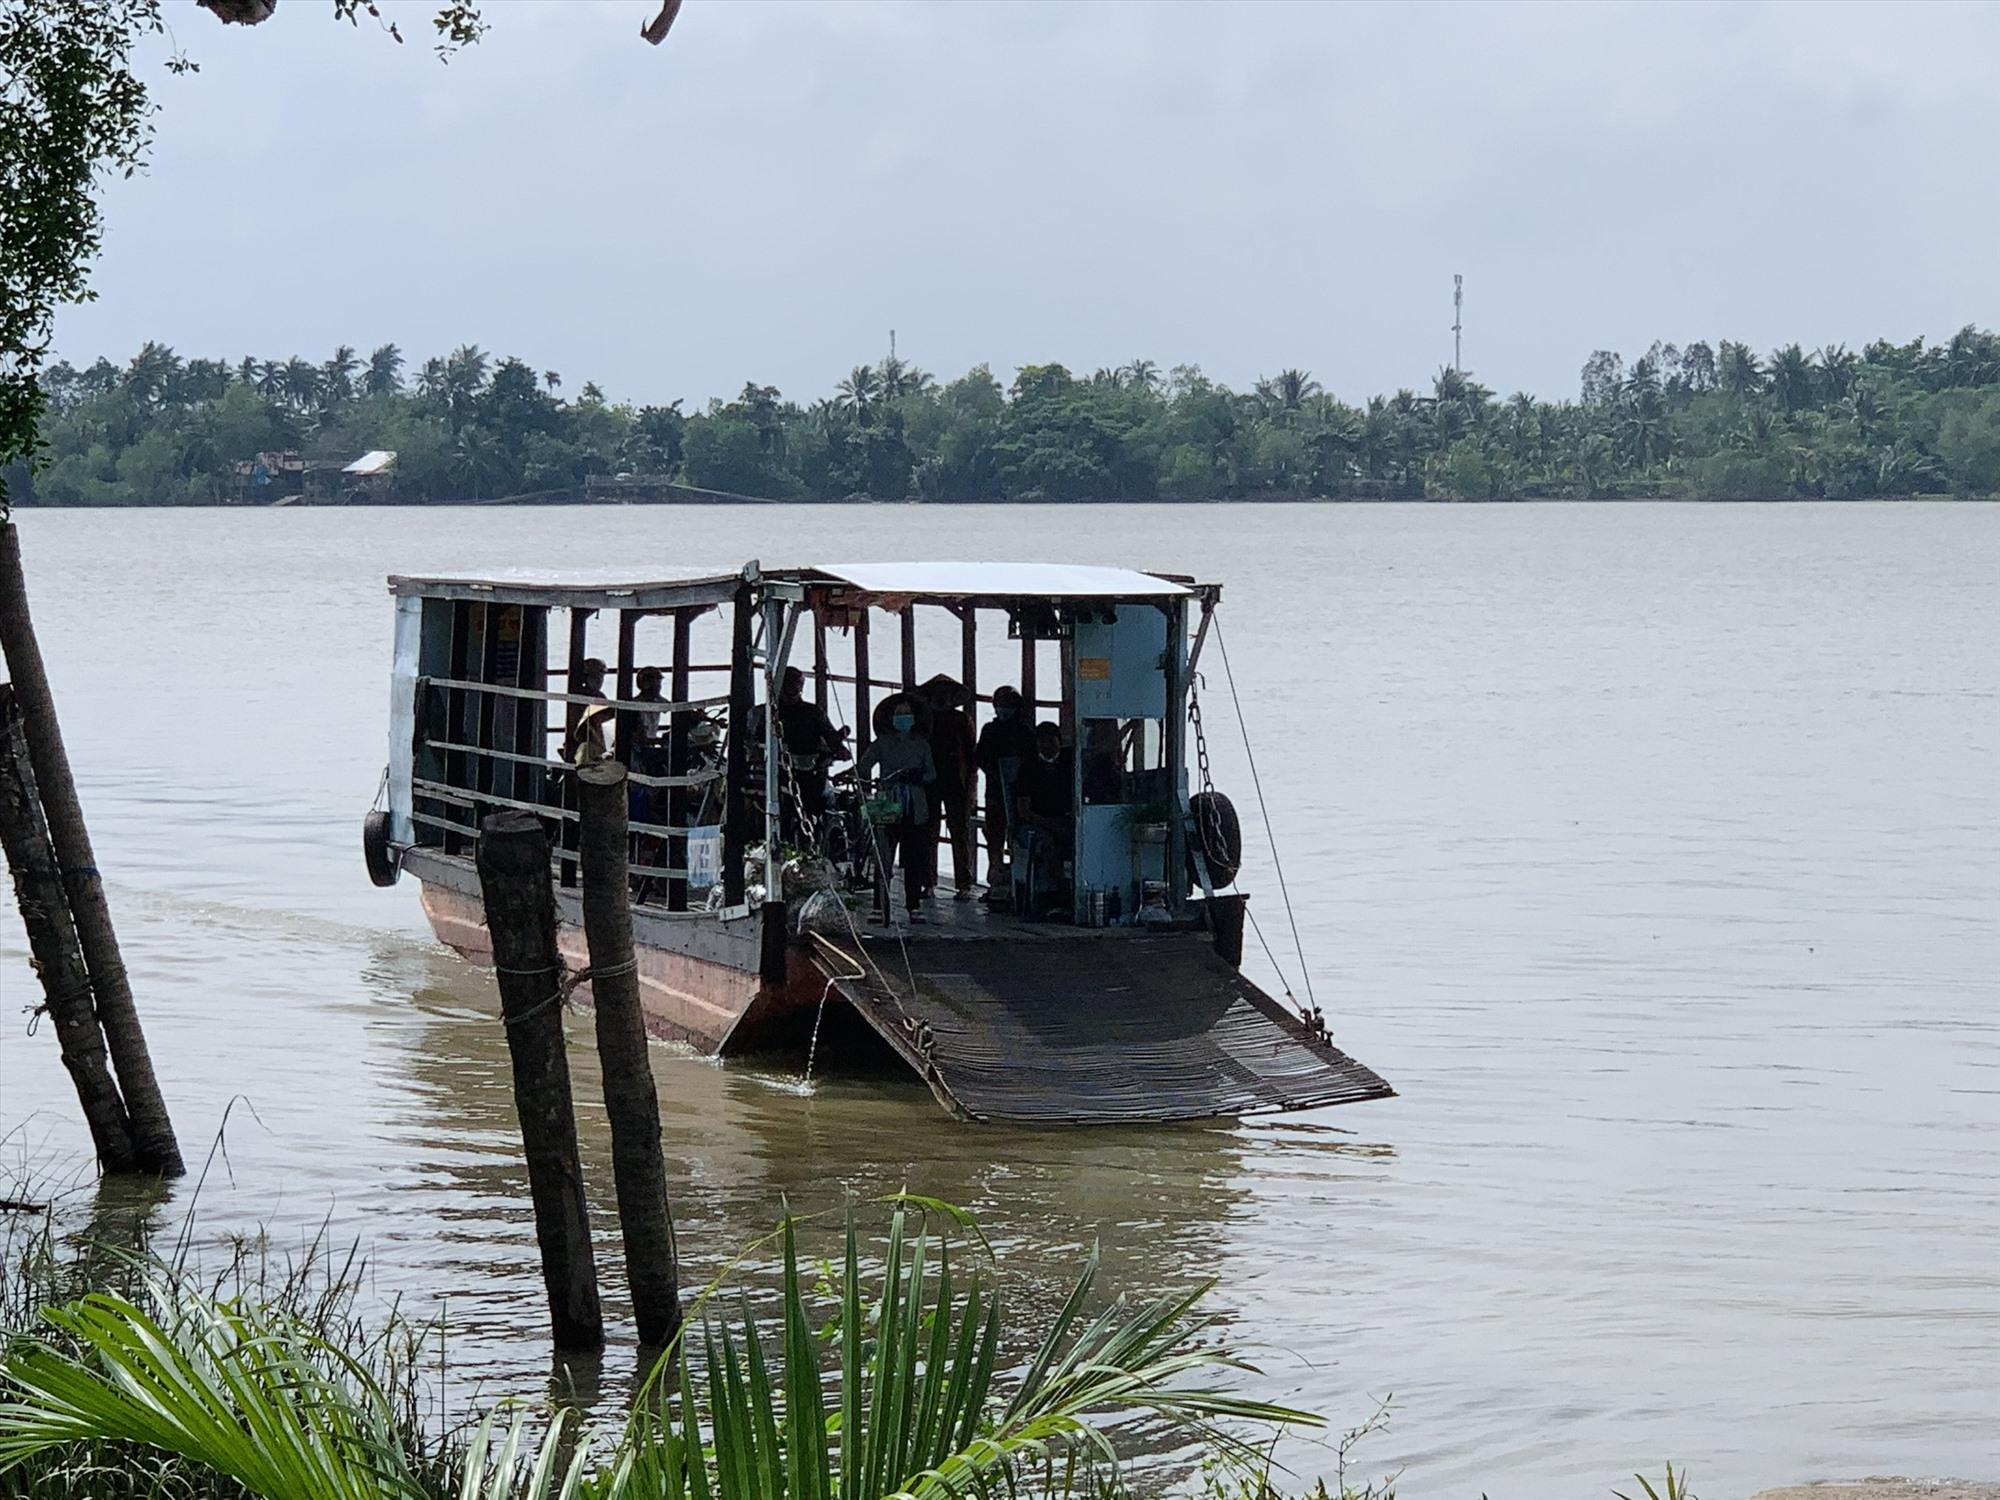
824 912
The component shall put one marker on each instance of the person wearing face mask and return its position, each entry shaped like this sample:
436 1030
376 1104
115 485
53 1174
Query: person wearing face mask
1005 746
905 771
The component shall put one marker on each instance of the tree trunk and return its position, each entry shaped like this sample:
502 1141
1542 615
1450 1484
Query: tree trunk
53 948
152 1131
521 917
630 1097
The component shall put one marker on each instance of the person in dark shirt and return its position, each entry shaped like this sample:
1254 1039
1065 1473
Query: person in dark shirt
650 680
953 749
810 742
1045 810
586 742
1005 746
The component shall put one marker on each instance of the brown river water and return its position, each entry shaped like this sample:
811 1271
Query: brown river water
1650 851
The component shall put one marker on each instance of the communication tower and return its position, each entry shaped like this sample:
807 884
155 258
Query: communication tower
1457 324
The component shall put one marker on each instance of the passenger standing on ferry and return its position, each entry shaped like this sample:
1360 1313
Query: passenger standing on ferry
1045 808
810 740
902 756
650 679
587 742
1005 746
647 757
954 751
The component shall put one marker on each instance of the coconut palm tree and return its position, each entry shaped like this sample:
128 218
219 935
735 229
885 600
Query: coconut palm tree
299 382
1280 397
431 381
203 380
1524 429
1791 378
1294 387
384 376
859 392
1142 375
1838 366
337 375
152 373
1863 409
479 464
897 378
1644 425
1738 371
552 381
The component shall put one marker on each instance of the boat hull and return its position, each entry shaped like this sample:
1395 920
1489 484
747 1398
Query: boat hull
715 983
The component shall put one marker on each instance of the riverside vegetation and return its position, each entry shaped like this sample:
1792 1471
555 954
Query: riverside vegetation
1689 421
881 1375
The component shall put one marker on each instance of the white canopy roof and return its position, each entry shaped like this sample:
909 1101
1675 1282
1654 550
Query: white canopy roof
374 461
1028 580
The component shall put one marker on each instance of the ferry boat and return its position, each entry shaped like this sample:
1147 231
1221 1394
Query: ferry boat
1110 991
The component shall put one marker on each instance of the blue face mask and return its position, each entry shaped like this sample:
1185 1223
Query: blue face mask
1004 710
904 723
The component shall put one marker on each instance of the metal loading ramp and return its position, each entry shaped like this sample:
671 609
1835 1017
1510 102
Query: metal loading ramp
1093 1028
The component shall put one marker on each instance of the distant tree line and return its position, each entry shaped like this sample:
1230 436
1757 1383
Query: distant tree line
1691 421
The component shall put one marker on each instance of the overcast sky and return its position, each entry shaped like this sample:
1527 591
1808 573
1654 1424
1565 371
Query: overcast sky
1237 185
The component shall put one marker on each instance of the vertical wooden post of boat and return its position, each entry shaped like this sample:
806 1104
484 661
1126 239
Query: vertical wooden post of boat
579 652
83 888
638 1168
627 732
457 768
1174 733
1028 695
52 946
968 657
821 685
680 758
486 710
513 863
736 801
864 722
909 627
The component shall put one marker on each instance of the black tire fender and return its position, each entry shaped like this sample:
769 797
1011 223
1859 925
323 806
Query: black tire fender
1217 835
384 868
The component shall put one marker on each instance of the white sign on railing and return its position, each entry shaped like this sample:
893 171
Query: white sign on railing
704 857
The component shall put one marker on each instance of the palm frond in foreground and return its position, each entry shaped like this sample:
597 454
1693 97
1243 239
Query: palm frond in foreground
898 1394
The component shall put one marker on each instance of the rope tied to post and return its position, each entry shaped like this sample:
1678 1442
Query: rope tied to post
565 986
81 994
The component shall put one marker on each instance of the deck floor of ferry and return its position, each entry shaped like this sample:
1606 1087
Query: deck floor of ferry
944 917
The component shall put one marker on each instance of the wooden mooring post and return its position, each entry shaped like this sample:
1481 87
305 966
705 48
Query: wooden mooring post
515 883
155 1147
52 946
638 1165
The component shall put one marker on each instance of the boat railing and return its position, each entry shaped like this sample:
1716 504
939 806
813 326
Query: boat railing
584 700
454 805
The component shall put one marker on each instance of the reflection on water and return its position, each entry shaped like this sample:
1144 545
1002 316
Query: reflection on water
1648 850
746 1138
